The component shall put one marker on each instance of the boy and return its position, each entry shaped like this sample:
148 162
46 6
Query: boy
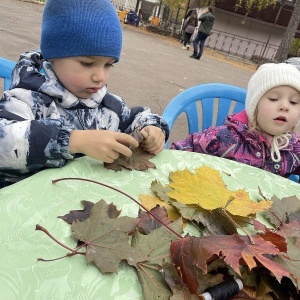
58 106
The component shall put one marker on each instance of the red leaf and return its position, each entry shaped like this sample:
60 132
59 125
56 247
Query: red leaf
235 250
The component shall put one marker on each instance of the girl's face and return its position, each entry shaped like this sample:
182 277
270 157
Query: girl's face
278 111
83 76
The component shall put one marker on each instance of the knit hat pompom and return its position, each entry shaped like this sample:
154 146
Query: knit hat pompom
80 28
266 77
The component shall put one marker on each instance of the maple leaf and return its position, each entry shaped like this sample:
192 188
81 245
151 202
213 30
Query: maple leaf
206 188
179 289
139 160
211 222
151 201
214 222
234 249
106 238
161 191
284 215
291 261
282 210
156 248
79 215
148 223
83 214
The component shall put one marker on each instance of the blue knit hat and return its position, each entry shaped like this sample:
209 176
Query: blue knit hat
80 28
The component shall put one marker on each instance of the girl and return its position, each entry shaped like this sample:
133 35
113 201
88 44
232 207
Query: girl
262 135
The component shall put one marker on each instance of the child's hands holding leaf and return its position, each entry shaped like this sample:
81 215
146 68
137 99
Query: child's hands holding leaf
154 139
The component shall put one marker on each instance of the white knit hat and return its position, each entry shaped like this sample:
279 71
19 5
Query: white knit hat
267 77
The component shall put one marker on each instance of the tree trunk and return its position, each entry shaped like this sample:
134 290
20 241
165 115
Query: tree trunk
289 34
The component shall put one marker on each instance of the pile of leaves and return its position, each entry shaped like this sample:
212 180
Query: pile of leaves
233 243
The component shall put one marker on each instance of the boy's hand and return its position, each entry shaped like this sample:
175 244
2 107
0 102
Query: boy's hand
154 139
103 145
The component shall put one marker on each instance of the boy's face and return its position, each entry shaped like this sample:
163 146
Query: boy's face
83 76
278 111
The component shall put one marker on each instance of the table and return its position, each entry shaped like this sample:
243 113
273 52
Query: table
37 201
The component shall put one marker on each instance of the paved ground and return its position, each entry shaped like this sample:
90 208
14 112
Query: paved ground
152 69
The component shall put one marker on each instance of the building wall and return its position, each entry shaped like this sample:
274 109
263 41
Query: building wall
246 37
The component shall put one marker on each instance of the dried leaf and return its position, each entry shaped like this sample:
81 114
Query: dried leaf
79 215
106 238
83 214
235 250
282 209
206 188
148 223
156 247
161 191
149 202
139 160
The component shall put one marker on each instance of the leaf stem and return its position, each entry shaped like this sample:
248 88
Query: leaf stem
237 225
73 251
121 192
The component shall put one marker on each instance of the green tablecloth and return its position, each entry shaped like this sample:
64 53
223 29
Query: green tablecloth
37 201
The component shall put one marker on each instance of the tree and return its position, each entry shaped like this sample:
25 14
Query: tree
258 4
172 4
290 32
287 40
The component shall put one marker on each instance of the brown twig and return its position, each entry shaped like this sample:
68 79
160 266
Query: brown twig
125 194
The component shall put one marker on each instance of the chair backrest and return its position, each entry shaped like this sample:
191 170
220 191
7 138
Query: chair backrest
217 100
6 67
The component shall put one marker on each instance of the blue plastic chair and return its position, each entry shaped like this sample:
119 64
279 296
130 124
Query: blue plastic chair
205 94
231 99
6 67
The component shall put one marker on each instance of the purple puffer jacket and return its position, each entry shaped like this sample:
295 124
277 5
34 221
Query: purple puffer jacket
234 141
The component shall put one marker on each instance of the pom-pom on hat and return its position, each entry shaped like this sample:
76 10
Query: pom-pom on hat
80 28
267 77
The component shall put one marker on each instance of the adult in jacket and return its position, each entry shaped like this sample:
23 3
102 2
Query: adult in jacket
188 28
207 21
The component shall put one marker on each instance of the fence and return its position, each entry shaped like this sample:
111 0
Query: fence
248 49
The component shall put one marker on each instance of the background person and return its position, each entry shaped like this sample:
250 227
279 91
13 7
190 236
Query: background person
188 28
263 134
207 21
58 107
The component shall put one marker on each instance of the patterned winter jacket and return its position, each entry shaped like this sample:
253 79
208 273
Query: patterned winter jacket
38 114
233 140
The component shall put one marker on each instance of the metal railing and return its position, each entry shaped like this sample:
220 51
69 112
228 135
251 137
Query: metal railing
236 45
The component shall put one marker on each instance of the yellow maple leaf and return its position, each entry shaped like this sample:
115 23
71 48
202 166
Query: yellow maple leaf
206 188
151 201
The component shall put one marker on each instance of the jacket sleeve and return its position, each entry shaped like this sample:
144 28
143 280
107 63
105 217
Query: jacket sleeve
202 17
28 145
136 117
192 143
207 142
